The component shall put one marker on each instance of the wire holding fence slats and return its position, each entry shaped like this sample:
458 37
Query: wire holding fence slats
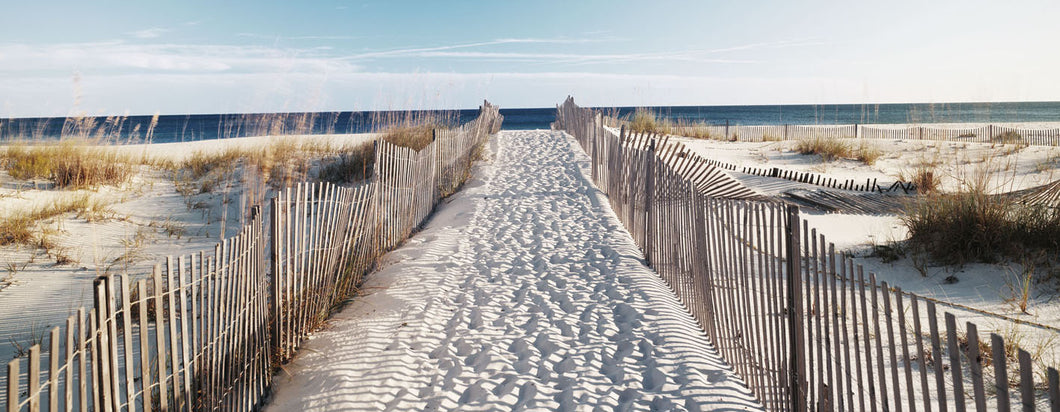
803 325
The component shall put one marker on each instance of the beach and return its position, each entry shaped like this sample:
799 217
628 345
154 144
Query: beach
151 216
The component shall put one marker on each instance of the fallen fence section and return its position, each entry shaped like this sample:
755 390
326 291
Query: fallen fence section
989 133
803 326
870 185
205 331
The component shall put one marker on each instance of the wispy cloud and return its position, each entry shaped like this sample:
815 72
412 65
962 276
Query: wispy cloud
415 51
461 51
151 33
771 44
119 57
581 58
275 37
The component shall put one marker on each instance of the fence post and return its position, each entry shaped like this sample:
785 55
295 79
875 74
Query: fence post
796 344
436 191
648 198
276 282
594 157
701 258
726 129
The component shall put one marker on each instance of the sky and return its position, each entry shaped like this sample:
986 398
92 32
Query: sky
66 57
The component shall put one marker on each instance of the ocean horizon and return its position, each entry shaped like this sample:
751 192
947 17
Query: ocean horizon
193 127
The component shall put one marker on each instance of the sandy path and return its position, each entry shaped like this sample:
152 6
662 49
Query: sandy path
523 292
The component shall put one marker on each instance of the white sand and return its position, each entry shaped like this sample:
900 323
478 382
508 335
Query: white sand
490 218
523 291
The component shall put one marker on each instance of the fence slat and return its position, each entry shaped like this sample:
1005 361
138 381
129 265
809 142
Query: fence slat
975 366
955 363
1026 380
145 349
13 376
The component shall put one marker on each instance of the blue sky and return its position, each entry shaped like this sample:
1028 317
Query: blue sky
108 57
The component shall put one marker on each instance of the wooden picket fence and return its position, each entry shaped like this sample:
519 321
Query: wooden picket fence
326 237
803 326
191 336
205 331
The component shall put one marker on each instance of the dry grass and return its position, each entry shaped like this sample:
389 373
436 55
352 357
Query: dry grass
281 162
411 130
23 228
1021 284
1009 137
831 148
414 130
867 153
923 174
415 137
70 164
646 121
350 166
828 148
925 179
971 225
697 130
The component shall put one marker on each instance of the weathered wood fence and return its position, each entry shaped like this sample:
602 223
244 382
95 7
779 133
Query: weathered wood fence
802 325
326 237
205 331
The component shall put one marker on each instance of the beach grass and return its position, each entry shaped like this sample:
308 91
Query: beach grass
22 228
350 166
828 148
646 121
412 130
831 148
990 227
70 164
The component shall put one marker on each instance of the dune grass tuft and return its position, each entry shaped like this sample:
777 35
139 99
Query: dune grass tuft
350 166
828 148
414 130
70 164
867 153
973 225
646 121
415 137
22 228
831 148
696 130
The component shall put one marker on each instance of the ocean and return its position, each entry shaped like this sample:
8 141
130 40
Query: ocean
177 128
